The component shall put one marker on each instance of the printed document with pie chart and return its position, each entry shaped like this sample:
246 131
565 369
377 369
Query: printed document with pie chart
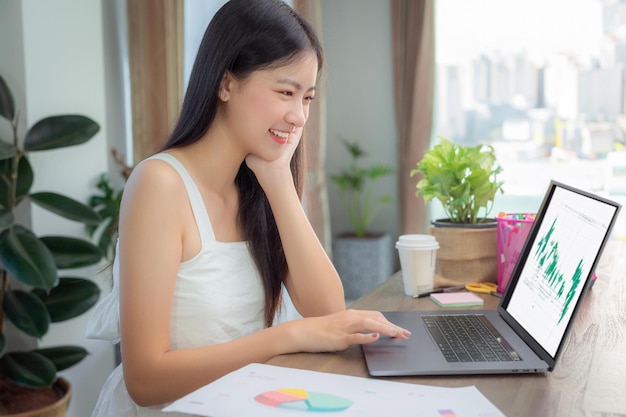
268 391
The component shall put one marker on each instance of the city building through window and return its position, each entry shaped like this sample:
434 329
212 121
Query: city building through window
543 82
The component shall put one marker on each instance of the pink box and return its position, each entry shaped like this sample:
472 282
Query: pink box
513 230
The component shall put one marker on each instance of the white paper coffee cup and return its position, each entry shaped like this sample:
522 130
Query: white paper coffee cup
418 258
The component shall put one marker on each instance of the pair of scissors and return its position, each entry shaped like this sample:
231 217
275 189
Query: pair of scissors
482 287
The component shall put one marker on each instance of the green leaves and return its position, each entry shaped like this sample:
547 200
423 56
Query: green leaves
7 104
28 368
34 261
356 185
3 344
462 178
33 312
107 205
62 357
60 131
71 298
27 259
27 312
22 180
38 367
66 207
70 252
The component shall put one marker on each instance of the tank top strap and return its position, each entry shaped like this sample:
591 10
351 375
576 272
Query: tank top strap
195 198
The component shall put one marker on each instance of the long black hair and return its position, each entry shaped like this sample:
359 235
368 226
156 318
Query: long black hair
245 36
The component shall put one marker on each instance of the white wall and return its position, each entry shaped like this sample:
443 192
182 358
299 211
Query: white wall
12 59
357 42
52 55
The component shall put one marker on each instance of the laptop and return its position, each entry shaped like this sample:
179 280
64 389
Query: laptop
527 331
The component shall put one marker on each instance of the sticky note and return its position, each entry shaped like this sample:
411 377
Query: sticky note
457 299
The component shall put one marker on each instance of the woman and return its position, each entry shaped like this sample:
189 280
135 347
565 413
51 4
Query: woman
212 227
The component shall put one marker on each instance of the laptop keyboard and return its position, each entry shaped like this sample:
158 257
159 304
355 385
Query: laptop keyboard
468 338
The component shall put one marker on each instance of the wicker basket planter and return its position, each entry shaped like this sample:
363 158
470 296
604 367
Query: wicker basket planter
467 252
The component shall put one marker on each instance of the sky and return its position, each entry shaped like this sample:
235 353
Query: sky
540 27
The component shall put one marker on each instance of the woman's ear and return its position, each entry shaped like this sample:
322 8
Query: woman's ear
226 87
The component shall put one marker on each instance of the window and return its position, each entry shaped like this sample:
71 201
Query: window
543 82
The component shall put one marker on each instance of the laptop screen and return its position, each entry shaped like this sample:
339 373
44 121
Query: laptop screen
560 253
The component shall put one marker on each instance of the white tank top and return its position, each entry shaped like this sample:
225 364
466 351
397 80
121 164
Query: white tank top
218 295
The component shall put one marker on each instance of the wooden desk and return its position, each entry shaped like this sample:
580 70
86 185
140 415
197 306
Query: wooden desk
588 380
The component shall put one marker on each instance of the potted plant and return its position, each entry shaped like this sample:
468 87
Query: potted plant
363 258
464 179
32 292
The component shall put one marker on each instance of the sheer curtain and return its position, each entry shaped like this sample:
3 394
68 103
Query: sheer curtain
412 25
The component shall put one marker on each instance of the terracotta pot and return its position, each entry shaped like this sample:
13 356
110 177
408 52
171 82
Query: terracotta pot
58 409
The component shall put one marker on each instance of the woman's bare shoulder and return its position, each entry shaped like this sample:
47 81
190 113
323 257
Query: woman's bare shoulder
154 181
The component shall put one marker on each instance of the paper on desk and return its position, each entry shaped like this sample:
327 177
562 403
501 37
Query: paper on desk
266 390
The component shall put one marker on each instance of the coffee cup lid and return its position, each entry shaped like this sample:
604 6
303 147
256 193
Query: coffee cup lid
417 241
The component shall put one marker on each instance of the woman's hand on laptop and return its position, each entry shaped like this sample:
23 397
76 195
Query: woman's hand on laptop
340 330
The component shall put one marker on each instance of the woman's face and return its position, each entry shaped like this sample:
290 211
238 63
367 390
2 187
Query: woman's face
268 106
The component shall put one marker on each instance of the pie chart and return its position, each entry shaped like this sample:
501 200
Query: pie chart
303 400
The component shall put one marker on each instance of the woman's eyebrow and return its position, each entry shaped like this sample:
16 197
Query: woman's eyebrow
295 84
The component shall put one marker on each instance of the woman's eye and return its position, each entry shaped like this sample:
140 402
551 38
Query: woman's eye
309 98
286 93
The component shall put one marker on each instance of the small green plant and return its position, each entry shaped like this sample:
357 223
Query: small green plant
32 294
462 178
356 186
107 205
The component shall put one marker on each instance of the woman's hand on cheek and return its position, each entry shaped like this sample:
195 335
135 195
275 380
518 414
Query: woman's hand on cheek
270 171
340 330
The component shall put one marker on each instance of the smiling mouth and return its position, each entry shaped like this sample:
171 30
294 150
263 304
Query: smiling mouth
279 136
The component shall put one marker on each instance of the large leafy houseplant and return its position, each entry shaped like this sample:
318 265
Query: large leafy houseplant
356 187
463 178
32 293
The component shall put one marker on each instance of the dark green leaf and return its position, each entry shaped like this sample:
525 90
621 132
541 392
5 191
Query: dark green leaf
7 150
60 131
3 344
27 312
27 258
28 368
63 356
7 104
71 298
5 182
66 207
70 252
108 238
24 179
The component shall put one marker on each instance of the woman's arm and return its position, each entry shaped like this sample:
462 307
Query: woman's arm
312 282
152 230
151 234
